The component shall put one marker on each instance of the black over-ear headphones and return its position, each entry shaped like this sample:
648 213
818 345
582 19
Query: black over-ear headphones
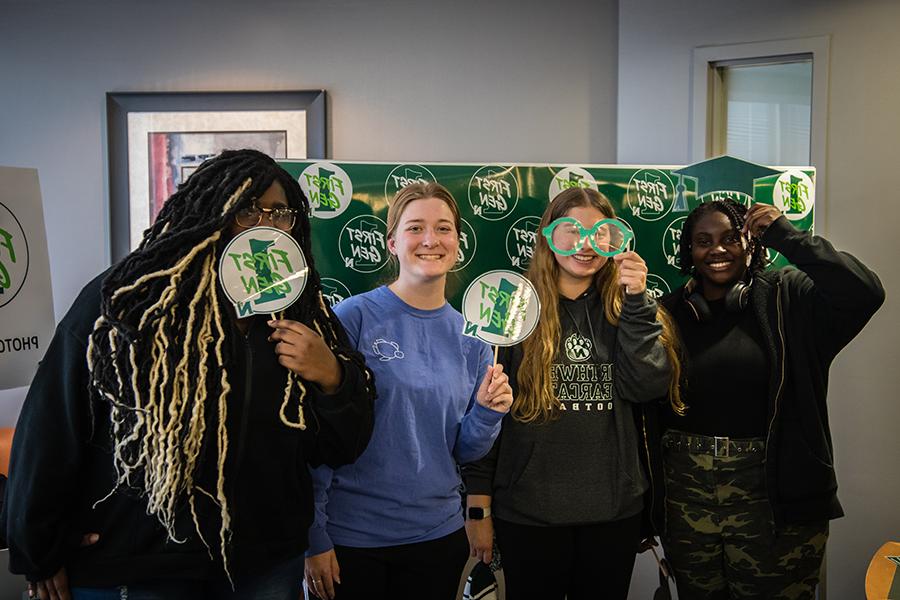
736 299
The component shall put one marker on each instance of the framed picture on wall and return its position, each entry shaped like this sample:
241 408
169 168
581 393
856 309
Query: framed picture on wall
155 140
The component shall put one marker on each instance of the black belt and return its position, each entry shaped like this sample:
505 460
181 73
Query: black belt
713 445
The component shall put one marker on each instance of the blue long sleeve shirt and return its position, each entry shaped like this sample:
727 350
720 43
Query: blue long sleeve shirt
405 488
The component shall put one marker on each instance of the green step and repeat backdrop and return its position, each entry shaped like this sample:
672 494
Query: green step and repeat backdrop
501 205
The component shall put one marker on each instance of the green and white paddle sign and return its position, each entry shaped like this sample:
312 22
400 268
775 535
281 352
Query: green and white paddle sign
501 308
262 271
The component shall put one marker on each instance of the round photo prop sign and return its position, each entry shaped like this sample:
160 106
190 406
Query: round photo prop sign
262 270
501 308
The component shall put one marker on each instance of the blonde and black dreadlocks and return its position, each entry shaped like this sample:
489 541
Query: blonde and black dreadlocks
157 355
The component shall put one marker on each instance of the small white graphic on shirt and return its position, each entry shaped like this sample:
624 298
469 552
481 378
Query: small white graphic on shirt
578 347
583 387
386 350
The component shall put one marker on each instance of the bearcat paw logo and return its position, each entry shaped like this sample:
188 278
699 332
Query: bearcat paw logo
578 347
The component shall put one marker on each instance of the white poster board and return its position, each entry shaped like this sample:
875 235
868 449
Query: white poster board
26 298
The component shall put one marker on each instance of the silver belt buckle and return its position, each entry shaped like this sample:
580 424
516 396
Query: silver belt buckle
720 447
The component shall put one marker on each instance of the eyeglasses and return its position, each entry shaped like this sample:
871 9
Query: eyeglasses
281 217
607 237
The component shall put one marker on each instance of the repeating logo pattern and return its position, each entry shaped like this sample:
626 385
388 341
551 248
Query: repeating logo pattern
328 188
570 177
403 175
650 195
671 242
520 241
362 244
493 192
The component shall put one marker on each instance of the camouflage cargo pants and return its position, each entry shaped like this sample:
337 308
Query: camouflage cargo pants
720 538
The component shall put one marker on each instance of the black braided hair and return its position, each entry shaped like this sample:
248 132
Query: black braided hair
736 213
157 356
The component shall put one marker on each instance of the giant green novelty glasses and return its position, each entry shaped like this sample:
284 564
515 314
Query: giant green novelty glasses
607 237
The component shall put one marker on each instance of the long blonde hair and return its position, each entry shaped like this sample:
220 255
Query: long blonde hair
536 401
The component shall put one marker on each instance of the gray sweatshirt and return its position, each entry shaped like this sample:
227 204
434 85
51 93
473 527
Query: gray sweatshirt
584 466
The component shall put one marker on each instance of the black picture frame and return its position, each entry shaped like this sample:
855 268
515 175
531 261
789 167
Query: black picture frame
119 105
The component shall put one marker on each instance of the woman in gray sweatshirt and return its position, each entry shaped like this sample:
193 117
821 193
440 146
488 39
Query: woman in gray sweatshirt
564 485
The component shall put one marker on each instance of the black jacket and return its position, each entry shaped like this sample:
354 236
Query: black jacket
61 466
807 313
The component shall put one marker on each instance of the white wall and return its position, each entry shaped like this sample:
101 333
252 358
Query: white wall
407 80
861 215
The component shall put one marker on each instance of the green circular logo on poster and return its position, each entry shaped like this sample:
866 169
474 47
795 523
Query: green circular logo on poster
404 175
362 244
672 241
493 192
13 256
520 241
650 194
328 188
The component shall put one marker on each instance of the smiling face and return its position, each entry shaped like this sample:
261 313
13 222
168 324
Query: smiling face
577 270
719 253
425 241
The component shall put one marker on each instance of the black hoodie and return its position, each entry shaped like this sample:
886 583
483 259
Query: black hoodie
585 465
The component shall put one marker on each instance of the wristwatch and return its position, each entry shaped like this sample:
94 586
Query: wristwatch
477 513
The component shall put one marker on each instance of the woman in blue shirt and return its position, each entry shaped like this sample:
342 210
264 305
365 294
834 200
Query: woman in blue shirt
393 522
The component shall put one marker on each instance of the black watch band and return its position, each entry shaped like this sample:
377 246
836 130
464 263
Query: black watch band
477 513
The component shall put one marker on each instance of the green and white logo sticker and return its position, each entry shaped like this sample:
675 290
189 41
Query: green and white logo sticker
362 244
672 241
13 255
493 192
520 240
262 271
570 177
328 188
501 308
403 175
468 244
650 194
793 194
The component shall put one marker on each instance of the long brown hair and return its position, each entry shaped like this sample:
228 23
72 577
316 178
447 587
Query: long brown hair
535 401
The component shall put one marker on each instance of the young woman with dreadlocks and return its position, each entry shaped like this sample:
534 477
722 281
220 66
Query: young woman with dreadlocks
750 483
391 525
178 435
568 480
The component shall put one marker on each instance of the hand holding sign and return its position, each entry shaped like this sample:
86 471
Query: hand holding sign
304 352
495 392
500 308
